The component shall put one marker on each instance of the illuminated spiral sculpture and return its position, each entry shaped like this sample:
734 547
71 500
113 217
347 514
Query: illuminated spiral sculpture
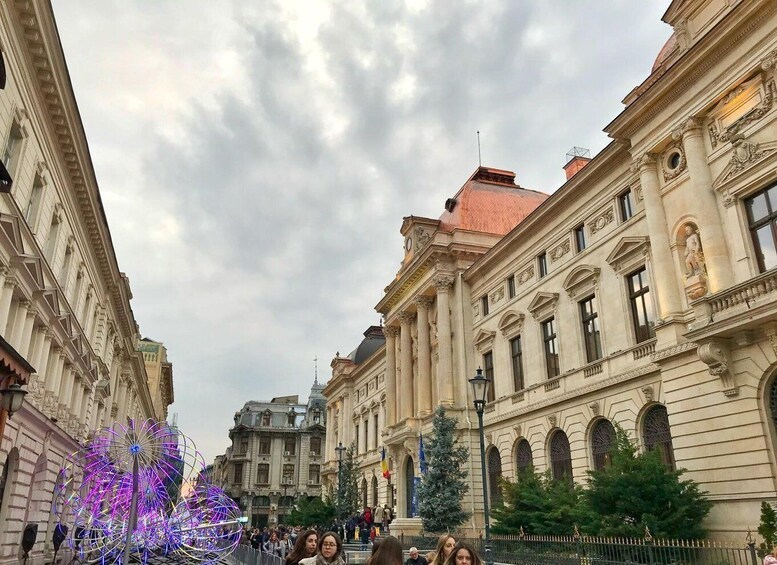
139 491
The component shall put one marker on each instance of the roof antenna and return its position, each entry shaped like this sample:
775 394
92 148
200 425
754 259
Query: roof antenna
315 378
480 162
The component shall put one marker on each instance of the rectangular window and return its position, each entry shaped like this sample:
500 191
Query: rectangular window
511 287
641 306
290 446
488 368
288 474
366 436
762 220
13 149
580 238
315 446
356 435
243 446
375 431
542 264
31 212
238 477
484 305
266 419
591 335
263 474
264 446
516 357
625 205
51 239
314 474
550 339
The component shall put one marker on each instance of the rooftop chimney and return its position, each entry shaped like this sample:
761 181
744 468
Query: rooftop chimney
577 158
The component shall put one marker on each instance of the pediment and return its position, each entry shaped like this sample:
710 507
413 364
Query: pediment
484 340
629 252
744 156
581 278
32 265
9 227
67 324
511 323
543 304
51 298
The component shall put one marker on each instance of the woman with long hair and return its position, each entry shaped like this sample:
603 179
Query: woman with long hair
445 545
330 551
463 554
305 546
387 552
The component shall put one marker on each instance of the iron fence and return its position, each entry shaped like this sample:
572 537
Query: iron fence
586 550
247 555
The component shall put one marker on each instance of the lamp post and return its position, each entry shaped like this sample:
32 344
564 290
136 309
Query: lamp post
340 450
480 391
11 400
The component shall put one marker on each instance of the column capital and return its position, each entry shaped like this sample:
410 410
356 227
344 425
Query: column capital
690 126
4 270
24 303
11 282
390 331
405 317
443 282
423 302
32 312
645 162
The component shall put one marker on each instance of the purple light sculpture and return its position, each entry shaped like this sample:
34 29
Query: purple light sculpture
141 489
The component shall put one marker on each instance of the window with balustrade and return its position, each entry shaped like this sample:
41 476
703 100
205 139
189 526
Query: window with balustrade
762 221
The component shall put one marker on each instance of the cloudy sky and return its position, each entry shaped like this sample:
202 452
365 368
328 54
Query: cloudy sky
256 158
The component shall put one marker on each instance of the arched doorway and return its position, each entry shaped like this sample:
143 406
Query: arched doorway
374 490
494 464
364 493
7 480
602 443
657 435
561 457
409 487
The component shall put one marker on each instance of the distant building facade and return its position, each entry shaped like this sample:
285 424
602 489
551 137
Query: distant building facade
159 372
642 293
64 304
276 456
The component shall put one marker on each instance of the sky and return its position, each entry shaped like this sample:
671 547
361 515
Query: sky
255 159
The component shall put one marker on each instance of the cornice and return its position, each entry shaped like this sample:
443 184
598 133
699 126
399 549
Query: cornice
55 94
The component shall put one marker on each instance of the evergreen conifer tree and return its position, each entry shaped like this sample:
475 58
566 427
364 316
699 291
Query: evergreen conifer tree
768 529
347 501
444 485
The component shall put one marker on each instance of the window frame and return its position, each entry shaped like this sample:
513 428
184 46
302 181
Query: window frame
516 362
542 265
579 237
511 286
753 226
638 295
592 341
626 198
266 468
488 372
548 338
484 305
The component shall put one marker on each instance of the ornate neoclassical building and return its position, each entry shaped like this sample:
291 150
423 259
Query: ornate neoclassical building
68 330
643 292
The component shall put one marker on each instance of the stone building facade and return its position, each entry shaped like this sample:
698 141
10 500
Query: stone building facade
64 303
276 456
159 373
642 292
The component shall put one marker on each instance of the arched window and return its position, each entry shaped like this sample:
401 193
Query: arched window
602 443
561 457
494 462
523 457
374 490
7 481
364 493
409 487
657 435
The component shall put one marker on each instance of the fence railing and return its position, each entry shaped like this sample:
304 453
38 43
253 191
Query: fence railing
247 555
585 550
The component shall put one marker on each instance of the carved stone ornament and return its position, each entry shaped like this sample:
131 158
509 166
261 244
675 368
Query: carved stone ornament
421 237
526 275
770 61
670 173
690 125
476 308
594 406
695 269
648 392
423 302
771 332
498 295
749 117
391 331
559 251
518 430
552 420
443 282
490 439
600 221
716 356
743 156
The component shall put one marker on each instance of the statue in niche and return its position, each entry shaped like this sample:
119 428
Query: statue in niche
694 256
695 270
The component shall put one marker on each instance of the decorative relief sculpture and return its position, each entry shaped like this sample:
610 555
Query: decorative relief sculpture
594 406
559 251
601 220
498 295
716 356
421 238
552 420
526 275
648 392
755 114
693 256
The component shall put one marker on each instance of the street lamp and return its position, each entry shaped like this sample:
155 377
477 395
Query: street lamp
12 398
340 450
479 392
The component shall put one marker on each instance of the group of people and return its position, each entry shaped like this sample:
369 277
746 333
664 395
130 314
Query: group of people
364 526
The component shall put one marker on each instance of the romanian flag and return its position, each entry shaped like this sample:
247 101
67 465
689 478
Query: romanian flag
384 464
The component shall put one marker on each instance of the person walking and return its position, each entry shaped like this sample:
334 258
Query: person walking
330 551
463 554
387 552
415 559
306 546
445 544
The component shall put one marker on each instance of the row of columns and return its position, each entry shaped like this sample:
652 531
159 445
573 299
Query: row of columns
410 395
718 264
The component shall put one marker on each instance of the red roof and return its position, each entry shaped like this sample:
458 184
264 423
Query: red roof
490 202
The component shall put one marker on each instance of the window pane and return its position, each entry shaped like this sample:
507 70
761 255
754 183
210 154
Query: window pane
757 207
765 247
625 205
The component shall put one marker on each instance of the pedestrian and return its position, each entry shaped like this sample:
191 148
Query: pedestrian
364 534
463 554
415 559
274 545
330 551
771 558
387 552
306 546
287 544
379 512
445 545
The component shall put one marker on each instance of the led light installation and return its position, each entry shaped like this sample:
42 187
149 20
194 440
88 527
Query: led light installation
139 491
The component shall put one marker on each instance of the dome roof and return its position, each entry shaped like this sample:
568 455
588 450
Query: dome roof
666 51
490 202
373 340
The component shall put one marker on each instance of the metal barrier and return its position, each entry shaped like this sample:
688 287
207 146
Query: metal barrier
247 555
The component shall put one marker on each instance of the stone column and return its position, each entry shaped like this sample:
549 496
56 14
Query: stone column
20 319
42 355
29 325
9 284
121 400
665 274
391 374
424 389
347 420
713 240
442 284
406 365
